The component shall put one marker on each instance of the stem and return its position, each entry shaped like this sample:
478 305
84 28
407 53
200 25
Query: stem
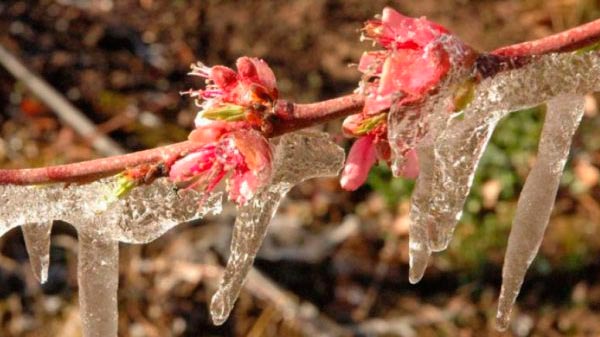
289 117
95 169
292 117
569 40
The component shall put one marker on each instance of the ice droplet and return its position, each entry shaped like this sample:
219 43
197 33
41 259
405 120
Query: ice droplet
37 242
298 156
537 198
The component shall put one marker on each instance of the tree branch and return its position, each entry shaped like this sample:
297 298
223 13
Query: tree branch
290 117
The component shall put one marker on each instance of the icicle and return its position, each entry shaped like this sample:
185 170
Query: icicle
298 156
102 220
537 198
98 275
459 139
37 242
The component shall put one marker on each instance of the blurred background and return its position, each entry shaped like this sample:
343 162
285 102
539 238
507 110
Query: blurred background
334 263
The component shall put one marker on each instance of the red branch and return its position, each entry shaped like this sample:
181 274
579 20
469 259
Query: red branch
568 40
290 117
297 116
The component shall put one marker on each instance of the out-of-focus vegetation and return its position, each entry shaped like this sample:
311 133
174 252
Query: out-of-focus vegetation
124 62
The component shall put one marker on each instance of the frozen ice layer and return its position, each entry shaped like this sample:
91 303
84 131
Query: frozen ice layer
37 242
102 221
537 198
141 216
453 144
298 156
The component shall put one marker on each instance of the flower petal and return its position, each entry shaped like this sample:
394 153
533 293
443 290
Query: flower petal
361 158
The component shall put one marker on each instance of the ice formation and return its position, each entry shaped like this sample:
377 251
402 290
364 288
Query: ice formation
144 214
37 242
450 151
298 156
102 222
537 197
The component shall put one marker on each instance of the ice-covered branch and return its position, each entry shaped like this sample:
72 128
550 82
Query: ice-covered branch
294 117
425 96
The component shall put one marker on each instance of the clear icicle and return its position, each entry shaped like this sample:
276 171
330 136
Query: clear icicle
537 198
98 275
298 156
37 242
102 221
450 152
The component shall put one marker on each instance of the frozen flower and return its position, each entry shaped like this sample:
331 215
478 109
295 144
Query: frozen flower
412 63
233 105
231 96
243 154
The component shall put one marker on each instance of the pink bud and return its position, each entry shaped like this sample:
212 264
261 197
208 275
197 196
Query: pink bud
358 164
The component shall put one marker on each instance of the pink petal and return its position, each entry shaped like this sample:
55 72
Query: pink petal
412 71
358 164
371 62
411 165
408 32
193 163
265 74
243 186
374 104
208 131
255 148
225 78
256 71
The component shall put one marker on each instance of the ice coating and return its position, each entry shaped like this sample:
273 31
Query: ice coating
298 156
98 278
139 217
537 198
407 125
37 242
410 127
454 143
102 221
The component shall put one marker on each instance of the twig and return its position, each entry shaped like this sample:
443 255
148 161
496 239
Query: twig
103 167
290 117
63 108
569 40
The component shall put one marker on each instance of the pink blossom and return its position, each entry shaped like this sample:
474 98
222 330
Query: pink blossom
244 154
412 63
230 95
360 160
232 106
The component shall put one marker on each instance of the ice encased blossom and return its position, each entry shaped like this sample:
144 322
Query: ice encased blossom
243 154
233 105
412 63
